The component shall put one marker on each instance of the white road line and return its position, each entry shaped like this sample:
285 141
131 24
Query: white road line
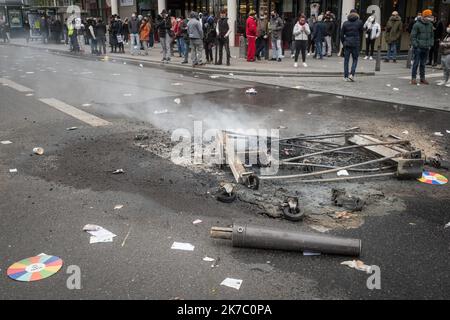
14 85
76 113
431 75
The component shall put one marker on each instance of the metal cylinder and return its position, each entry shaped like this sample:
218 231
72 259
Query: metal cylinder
278 239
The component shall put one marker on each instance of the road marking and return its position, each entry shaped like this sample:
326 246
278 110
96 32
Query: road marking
431 75
14 85
76 113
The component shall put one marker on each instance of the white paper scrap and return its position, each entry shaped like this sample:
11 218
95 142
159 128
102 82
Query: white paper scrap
232 283
342 173
182 246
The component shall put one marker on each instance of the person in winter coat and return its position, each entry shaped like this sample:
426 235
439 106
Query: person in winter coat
422 39
100 32
195 31
301 32
210 38
223 33
133 26
144 34
318 35
329 33
287 37
372 31
445 58
394 28
165 34
311 22
262 40
351 39
185 35
439 32
275 29
251 27
179 36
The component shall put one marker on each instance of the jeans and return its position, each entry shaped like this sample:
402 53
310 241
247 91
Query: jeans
181 46
354 52
318 49
300 46
262 47
276 48
329 45
392 51
166 43
186 50
145 45
420 61
224 42
370 47
445 60
93 43
101 44
197 48
134 42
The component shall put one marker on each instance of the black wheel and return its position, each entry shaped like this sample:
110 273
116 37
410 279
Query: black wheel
253 182
292 214
226 197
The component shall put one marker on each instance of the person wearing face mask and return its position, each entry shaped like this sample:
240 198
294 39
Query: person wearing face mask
394 29
262 44
372 33
422 39
275 28
444 46
301 32
133 26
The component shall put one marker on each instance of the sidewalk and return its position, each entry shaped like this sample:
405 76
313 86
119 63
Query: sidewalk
329 67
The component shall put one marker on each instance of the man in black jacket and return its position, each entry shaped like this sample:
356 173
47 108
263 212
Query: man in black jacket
351 39
100 34
165 34
438 29
223 32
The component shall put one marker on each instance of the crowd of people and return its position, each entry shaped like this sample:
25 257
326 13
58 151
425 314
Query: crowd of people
200 33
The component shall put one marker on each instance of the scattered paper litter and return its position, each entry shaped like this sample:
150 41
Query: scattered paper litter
5 142
38 150
358 265
160 111
388 85
448 131
447 225
319 228
182 246
13 170
124 63
177 84
439 134
208 259
118 206
127 94
140 65
177 100
86 105
197 221
116 74
214 77
29 72
29 95
310 254
405 132
232 283
231 74
396 89
98 233
72 128
281 110
342 173
118 171
251 91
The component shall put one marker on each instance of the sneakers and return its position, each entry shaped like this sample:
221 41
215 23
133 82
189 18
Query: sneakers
423 81
296 65
305 65
440 83
309 53
279 60
394 61
292 56
448 85
351 78
366 57
370 58
414 82
346 79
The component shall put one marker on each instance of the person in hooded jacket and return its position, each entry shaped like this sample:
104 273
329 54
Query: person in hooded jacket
351 40
275 29
439 32
318 35
372 31
444 46
301 32
100 32
330 31
394 28
422 39
250 29
165 34
210 38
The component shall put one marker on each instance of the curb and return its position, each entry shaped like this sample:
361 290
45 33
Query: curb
170 66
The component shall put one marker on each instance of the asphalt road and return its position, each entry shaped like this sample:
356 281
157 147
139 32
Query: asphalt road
44 206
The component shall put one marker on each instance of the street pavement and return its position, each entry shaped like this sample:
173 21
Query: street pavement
45 205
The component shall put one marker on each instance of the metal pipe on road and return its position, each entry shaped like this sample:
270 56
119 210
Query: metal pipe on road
245 236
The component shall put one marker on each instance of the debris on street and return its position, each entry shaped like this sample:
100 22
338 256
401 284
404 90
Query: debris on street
161 111
447 225
118 206
38 150
141 137
208 259
182 246
251 91
280 239
13 170
177 84
232 283
118 171
86 105
35 268
226 193
311 254
72 128
341 198
343 215
342 173
177 100
5 142
358 265
98 233
438 134
434 178
197 221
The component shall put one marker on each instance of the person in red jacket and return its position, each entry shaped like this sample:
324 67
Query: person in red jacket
251 28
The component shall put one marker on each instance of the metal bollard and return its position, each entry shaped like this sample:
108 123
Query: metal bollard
378 62
278 239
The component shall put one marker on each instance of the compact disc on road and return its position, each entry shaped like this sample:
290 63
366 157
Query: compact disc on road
35 268
429 177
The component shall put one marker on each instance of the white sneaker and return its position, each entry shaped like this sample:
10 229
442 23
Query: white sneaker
370 58
448 85
351 78
305 65
441 83
296 65
309 53
292 56
366 57
346 79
